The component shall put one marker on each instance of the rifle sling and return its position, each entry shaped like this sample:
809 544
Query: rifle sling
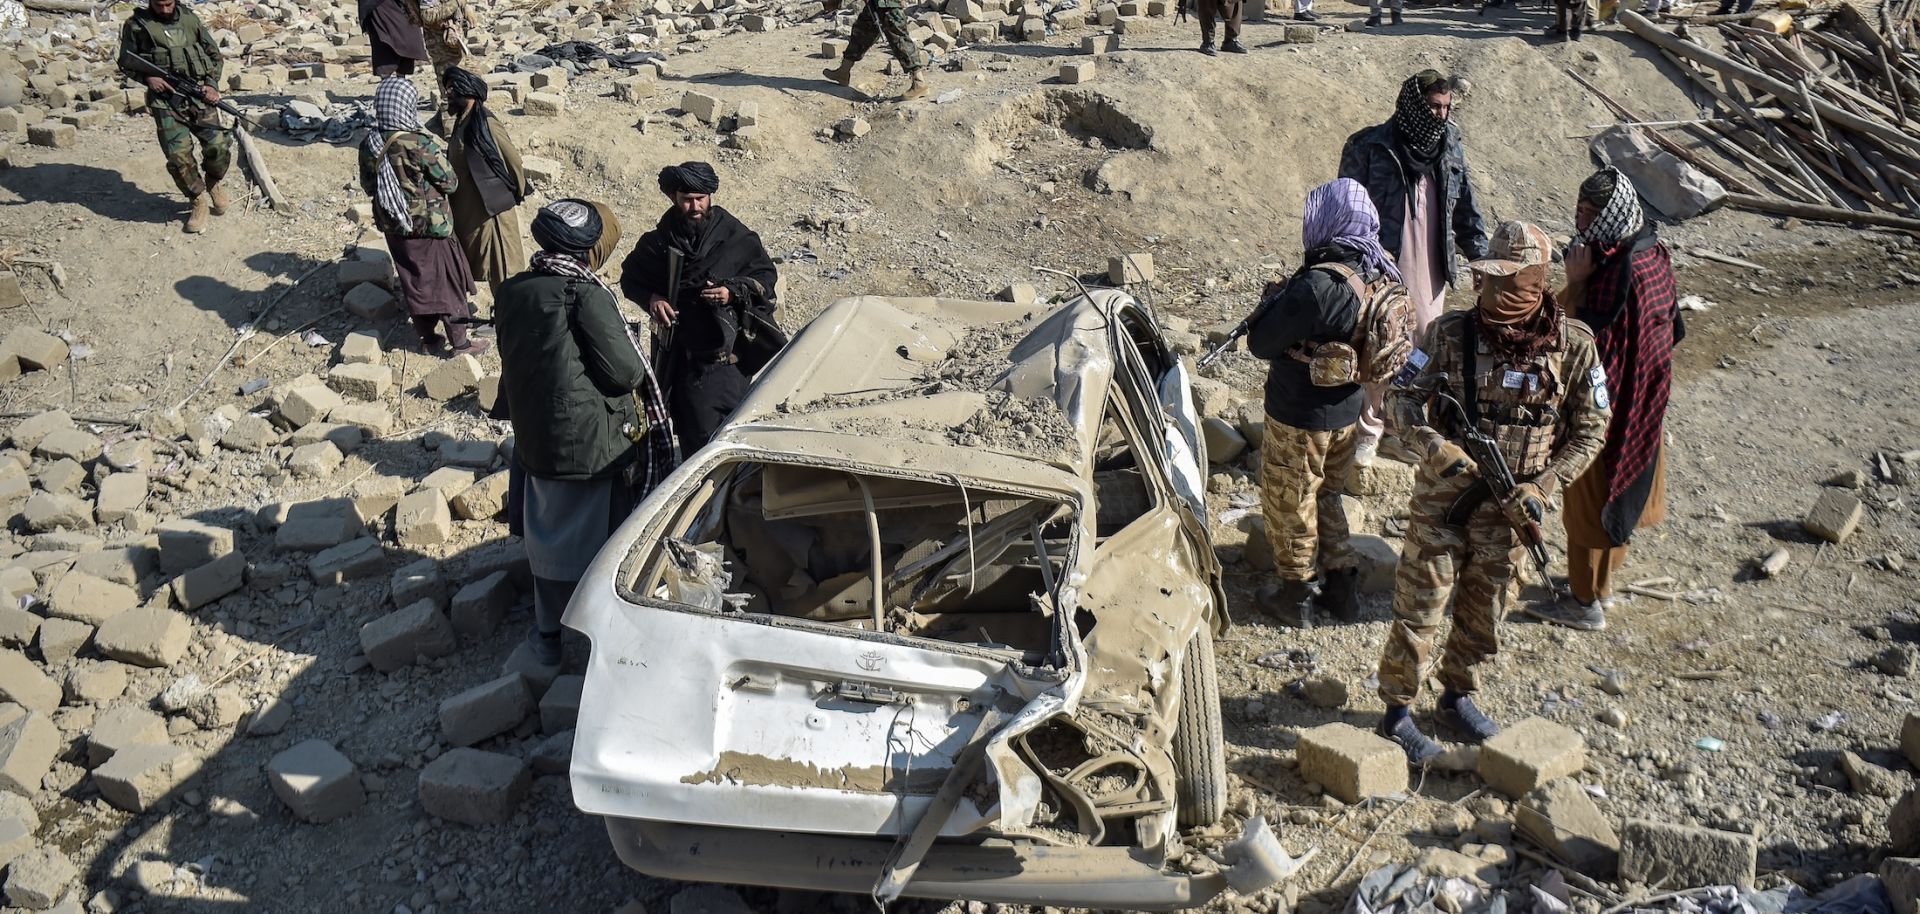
1468 501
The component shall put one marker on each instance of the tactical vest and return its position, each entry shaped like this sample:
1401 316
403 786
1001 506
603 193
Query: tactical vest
176 44
1517 404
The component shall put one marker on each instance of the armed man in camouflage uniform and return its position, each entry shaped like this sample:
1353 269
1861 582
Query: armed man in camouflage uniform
1529 377
177 40
878 19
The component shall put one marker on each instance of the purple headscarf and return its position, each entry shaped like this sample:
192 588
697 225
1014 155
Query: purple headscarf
1340 212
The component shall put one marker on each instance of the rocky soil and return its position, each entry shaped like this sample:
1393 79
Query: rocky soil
222 462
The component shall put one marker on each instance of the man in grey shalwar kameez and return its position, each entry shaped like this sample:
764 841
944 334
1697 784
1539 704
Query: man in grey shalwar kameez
566 366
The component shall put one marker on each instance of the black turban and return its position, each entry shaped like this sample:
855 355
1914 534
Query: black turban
569 226
462 84
689 178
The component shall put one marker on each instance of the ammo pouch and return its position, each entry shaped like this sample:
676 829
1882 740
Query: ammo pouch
1329 364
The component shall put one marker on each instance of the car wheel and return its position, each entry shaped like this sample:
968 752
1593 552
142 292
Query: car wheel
1199 748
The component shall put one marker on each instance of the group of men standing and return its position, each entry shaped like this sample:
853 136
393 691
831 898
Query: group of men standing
1571 387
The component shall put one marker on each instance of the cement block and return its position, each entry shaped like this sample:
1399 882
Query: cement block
1560 817
474 787
38 880
1662 855
396 639
351 561
148 636
421 580
137 777
22 683
1127 269
120 727
560 707
1351 763
485 711
189 544
28 745
1529 754
479 607
1835 516
211 581
85 598
422 519
317 783
359 380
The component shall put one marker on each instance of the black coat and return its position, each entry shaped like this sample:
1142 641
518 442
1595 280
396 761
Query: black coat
725 252
567 375
1373 158
1316 307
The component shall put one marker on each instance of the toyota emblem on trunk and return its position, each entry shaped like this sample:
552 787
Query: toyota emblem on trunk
872 661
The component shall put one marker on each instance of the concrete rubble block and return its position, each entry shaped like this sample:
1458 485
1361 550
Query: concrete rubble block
139 776
189 544
249 434
1074 72
344 437
554 755
120 727
95 682
359 380
1126 269
149 636
29 432
52 135
69 444
1302 34
351 561
1379 562
485 711
422 519
1668 856
371 419
1351 763
487 392
1560 817
307 404
549 78
1869 779
448 481
635 89
311 526
400 637
701 105
1901 878
453 377
370 303
46 512
1671 185
1529 754
480 607
474 787
1835 516
315 461
421 580
60 640
1225 444
22 683
85 598
361 349
355 273
120 494
1445 863
60 474
17 626
211 581
317 783
16 838
468 453
38 880
544 104
483 500
852 128
28 744
560 706
1099 44
540 170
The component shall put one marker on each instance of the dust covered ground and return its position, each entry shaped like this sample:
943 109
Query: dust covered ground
1796 374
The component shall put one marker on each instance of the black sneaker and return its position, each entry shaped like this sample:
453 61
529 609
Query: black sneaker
1340 595
1373 21
1289 603
1567 611
547 649
1305 16
1232 46
1206 47
1558 31
1396 17
1459 711
1420 748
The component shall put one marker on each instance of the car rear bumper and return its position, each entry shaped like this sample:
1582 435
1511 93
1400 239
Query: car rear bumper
1094 877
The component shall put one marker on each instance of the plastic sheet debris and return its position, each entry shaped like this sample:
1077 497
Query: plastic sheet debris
1695 303
1710 744
1828 721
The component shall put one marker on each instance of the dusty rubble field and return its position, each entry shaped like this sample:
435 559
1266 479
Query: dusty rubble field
1795 375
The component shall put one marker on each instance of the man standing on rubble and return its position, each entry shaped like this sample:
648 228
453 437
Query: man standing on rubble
1415 170
1310 425
1620 283
881 19
1526 375
724 280
176 40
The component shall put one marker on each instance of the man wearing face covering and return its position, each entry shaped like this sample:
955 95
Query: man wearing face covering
725 271
492 182
590 427
1415 169
1530 378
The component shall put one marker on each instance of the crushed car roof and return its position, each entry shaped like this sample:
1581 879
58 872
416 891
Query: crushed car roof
900 378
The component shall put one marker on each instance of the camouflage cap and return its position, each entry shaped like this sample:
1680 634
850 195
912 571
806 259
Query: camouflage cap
1515 247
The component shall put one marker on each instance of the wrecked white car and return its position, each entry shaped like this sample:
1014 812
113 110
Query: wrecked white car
932 616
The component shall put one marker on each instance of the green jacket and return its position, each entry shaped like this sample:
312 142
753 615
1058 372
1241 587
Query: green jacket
426 180
567 375
183 45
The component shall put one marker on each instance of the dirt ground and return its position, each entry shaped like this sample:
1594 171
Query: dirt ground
1794 374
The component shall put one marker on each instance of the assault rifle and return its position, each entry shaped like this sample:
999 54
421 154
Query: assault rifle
146 69
1267 297
1499 481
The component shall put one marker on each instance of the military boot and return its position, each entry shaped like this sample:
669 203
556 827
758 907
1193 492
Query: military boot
197 220
842 74
1289 602
217 195
1340 595
917 88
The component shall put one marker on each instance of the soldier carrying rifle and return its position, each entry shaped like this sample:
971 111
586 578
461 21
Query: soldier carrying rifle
175 40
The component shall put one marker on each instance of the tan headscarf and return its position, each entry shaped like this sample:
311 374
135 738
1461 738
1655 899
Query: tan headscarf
602 250
1513 288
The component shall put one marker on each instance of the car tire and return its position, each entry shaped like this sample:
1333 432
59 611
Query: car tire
1199 745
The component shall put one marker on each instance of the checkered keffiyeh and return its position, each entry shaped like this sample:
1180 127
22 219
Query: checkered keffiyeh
1621 217
1413 120
659 450
1632 306
396 109
1340 212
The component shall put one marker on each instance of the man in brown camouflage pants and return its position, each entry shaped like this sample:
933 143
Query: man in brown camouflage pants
1529 377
